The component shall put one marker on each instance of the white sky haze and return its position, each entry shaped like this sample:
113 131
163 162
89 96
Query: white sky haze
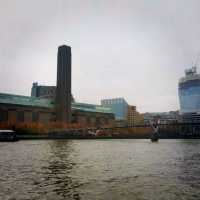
136 49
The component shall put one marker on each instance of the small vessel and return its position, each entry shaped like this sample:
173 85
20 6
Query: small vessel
8 136
154 138
155 135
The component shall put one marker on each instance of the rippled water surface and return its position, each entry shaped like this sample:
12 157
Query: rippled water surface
100 169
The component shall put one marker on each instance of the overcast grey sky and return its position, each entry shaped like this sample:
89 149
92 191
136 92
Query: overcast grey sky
136 49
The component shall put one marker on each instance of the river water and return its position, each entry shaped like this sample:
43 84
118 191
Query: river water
100 169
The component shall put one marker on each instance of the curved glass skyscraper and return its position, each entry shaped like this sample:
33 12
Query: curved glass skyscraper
189 92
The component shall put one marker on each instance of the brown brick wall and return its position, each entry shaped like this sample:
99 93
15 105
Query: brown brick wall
45 117
89 119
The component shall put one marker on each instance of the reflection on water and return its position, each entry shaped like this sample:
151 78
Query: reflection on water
57 171
100 169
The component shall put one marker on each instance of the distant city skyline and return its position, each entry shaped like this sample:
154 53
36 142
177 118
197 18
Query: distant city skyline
132 49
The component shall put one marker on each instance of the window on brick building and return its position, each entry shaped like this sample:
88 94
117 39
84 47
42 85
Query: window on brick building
20 116
35 116
3 116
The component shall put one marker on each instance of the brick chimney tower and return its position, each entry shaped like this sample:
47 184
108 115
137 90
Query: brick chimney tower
63 90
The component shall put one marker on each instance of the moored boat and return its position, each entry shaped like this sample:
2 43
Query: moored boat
8 136
154 138
155 135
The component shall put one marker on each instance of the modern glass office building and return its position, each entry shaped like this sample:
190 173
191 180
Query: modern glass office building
119 107
189 94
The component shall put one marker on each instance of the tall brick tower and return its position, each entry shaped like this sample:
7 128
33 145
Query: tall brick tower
63 90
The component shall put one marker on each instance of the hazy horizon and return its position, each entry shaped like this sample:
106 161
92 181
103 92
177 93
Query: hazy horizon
128 48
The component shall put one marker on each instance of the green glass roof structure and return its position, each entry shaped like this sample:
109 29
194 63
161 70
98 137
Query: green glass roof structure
25 100
47 103
90 107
